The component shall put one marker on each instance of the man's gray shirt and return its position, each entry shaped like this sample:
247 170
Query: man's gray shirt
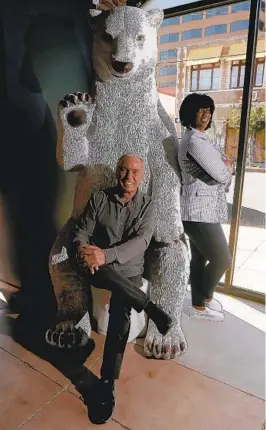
122 230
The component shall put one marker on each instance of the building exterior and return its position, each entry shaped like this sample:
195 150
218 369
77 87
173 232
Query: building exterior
205 52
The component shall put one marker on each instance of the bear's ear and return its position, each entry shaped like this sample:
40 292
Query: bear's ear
155 16
96 19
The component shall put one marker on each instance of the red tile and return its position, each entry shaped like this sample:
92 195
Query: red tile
65 412
159 395
22 391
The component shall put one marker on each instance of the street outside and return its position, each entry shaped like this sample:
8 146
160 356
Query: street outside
250 267
254 193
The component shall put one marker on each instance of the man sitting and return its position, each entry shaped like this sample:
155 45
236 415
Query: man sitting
110 239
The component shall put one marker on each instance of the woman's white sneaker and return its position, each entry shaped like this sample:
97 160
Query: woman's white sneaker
214 305
206 314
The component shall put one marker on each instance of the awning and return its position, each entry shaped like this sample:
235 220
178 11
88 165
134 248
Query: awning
237 51
209 54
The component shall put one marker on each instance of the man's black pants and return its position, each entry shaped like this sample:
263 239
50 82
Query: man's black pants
207 244
126 294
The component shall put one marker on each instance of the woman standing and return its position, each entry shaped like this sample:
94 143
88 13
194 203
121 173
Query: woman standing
206 173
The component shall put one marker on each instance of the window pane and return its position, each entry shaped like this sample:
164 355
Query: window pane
193 17
170 21
165 71
242 75
234 76
216 79
216 29
172 37
194 80
259 75
261 26
205 79
239 25
245 5
191 34
218 11
165 55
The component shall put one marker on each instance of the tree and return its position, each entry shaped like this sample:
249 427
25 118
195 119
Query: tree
256 121
256 124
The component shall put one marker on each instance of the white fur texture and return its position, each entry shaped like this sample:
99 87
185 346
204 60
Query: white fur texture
128 118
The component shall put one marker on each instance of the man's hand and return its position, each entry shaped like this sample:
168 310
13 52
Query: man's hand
93 256
107 4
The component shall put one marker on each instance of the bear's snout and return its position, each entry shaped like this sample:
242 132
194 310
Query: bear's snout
121 67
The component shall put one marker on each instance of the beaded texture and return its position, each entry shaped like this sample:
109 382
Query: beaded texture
127 118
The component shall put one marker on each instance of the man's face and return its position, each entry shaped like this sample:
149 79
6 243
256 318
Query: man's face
130 172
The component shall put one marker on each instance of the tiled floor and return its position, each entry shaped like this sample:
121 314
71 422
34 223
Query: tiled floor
151 394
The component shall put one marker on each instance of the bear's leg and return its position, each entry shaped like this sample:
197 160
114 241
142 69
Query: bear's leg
169 271
72 325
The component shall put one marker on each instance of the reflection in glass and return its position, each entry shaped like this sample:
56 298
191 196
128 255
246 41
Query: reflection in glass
212 59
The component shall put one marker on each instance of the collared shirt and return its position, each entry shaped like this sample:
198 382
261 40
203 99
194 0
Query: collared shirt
122 230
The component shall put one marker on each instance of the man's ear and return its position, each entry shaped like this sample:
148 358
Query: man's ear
155 16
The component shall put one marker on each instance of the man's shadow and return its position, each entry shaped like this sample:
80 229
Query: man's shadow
68 362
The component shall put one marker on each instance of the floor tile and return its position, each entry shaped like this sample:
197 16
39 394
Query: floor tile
233 351
39 355
22 391
159 395
96 356
65 412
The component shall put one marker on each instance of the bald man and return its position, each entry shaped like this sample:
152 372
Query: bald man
110 240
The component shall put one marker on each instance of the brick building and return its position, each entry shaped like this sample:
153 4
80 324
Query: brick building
205 52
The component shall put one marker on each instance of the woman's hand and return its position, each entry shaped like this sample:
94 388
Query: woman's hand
228 164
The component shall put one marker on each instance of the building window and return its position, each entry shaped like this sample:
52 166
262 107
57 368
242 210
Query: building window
205 77
239 25
191 34
168 38
166 71
245 5
259 73
262 5
171 21
193 17
261 26
166 55
217 11
167 84
237 74
216 29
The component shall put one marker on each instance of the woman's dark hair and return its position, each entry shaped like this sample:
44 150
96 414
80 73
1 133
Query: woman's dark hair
191 105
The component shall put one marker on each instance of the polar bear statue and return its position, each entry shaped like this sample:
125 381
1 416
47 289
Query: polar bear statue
123 115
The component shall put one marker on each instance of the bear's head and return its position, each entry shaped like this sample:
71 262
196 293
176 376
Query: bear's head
125 42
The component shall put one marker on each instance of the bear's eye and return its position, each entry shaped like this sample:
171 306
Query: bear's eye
107 37
141 38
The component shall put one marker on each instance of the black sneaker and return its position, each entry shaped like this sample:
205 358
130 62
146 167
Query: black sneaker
100 401
161 319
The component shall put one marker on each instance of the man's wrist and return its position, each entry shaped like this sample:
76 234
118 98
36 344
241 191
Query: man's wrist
110 255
